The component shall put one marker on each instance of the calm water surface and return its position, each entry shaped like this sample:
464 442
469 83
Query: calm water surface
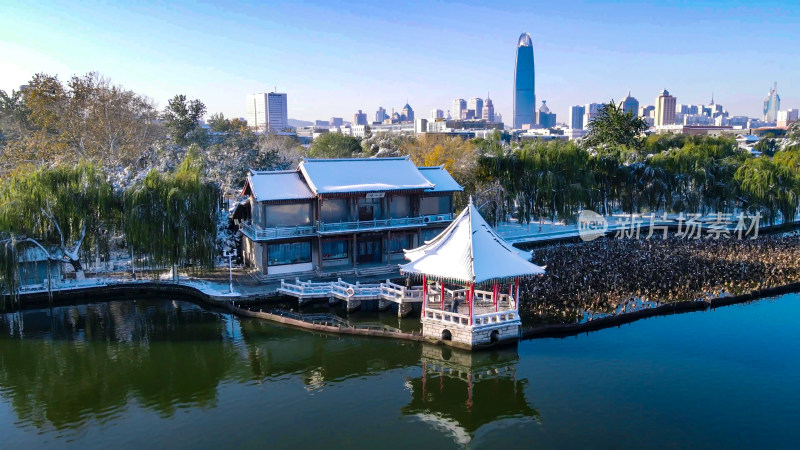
170 374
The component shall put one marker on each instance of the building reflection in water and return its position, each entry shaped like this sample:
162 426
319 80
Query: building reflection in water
459 392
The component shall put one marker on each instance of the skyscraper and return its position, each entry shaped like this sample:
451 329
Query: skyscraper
437 114
524 83
360 118
576 117
476 104
408 113
590 110
488 110
380 115
772 103
665 109
546 118
267 111
630 104
459 105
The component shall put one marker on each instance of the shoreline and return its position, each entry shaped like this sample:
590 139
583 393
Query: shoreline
88 294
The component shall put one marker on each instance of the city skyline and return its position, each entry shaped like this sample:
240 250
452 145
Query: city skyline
165 50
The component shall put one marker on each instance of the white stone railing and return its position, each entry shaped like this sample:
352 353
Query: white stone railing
498 317
398 293
259 234
449 317
304 288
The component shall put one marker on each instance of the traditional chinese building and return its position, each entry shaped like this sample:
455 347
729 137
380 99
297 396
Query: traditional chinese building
470 281
340 216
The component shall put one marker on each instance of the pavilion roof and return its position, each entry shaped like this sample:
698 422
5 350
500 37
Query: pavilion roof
469 251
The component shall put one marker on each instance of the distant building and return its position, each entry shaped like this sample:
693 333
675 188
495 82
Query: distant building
488 110
772 103
590 112
476 104
360 131
420 126
336 121
459 106
630 105
360 118
544 117
437 114
408 113
788 117
665 109
576 117
688 109
524 83
267 111
648 111
381 115
575 133
322 123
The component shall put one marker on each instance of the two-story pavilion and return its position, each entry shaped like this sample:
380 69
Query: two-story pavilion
338 215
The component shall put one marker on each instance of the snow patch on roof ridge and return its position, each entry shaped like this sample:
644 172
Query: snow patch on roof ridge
393 158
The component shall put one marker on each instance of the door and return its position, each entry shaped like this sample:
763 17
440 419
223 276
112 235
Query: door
370 251
366 212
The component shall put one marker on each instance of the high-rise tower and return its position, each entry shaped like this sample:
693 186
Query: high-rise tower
772 104
524 82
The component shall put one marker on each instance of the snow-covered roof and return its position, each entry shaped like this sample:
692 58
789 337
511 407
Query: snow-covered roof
441 179
337 176
277 185
469 251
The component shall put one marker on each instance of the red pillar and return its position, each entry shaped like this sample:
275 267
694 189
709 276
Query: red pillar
471 302
442 283
516 293
495 294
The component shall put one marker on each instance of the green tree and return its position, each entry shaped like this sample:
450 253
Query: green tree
171 218
334 145
613 127
58 210
769 188
182 116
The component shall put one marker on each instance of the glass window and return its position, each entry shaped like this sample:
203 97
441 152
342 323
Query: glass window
288 215
435 205
370 208
401 242
336 249
428 234
289 253
400 206
335 210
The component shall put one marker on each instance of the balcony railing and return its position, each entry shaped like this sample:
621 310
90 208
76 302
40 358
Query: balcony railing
336 227
261 234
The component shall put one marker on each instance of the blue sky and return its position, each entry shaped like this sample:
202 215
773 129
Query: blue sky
334 58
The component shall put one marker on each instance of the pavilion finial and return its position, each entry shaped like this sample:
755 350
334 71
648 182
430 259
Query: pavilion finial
470 200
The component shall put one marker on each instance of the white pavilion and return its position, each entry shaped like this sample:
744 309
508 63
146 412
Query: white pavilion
470 281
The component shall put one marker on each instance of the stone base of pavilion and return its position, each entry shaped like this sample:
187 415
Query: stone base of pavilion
436 326
492 319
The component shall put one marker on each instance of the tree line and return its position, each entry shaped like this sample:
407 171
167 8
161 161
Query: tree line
85 163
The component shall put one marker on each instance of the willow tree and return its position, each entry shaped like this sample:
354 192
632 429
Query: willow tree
58 209
769 188
171 218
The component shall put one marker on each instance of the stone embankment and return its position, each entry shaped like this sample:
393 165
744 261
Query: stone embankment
99 293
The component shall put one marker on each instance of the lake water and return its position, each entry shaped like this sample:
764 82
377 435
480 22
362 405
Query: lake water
170 374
